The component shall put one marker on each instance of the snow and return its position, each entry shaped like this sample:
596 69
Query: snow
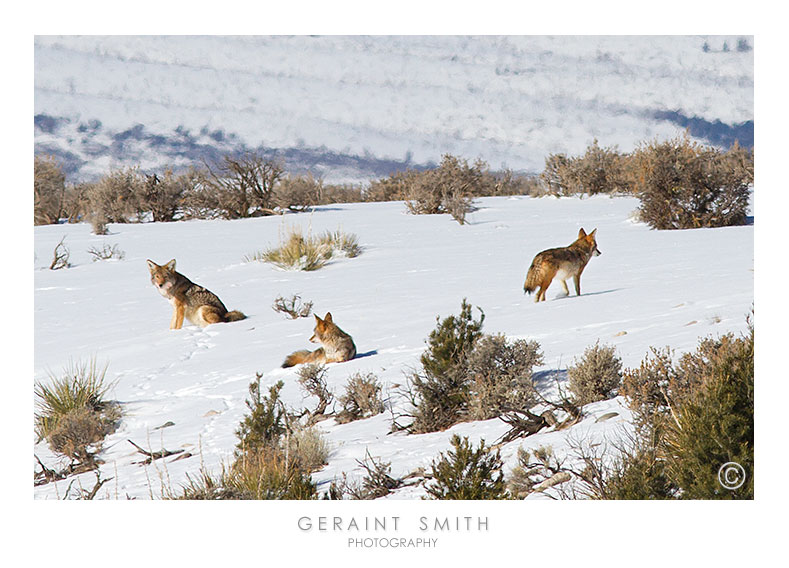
647 288
510 100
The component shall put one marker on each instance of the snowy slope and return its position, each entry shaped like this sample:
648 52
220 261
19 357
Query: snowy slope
510 100
660 287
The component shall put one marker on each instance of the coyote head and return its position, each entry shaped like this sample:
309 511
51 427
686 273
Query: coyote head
162 277
322 327
588 242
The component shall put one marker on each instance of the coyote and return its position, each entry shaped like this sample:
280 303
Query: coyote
200 306
337 346
561 263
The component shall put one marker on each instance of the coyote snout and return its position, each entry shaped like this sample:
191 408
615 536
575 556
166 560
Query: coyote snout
561 263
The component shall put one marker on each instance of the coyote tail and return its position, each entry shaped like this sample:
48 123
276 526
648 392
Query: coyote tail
235 315
302 356
532 279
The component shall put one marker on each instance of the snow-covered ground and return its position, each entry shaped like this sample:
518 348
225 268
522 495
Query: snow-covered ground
648 288
150 101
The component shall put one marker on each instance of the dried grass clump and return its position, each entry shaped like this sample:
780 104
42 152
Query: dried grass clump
72 414
307 252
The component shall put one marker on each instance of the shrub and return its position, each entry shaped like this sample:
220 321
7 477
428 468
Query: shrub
312 378
697 414
299 252
362 398
292 306
468 375
308 448
273 460
164 196
106 252
49 190
599 170
684 185
72 413
466 473
60 256
263 474
299 193
536 470
237 187
265 423
714 425
500 374
116 197
441 389
596 376
446 189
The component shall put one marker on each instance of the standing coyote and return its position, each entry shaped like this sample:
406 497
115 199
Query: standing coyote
200 306
337 346
561 263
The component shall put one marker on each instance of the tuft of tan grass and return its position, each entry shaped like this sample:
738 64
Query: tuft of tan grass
72 413
298 251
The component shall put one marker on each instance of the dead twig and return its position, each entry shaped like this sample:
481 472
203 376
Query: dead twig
153 455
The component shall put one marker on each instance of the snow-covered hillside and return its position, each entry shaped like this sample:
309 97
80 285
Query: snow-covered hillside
648 288
354 107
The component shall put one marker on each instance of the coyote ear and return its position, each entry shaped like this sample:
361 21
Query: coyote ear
170 265
152 265
317 318
581 233
327 317
592 233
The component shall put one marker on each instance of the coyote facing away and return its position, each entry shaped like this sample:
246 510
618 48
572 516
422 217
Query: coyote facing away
336 345
561 263
199 305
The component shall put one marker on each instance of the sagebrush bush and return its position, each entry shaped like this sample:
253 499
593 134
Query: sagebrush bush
117 197
308 448
362 398
449 187
599 170
72 413
467 473
596 376
49 190
299 192
684 185
500 375
164 195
